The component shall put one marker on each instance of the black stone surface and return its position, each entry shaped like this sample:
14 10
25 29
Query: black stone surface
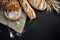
45 27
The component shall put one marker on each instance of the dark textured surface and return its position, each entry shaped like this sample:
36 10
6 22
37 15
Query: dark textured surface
45 27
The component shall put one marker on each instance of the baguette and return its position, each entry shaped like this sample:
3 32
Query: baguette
28 9
38 4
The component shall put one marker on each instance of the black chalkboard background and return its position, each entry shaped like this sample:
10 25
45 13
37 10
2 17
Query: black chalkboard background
45 27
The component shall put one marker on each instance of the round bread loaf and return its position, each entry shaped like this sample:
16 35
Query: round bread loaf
13 14
3 2
10 4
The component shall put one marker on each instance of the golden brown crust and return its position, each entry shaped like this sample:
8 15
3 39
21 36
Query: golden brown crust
3 3
28 9
43 5
38 4
10 4
35 3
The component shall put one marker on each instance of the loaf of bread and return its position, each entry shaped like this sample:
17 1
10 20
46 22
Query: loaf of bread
28 9
3 2
38 4
13 14
10 4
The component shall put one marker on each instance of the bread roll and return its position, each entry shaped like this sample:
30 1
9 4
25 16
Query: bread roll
28 9
0 2
38 4
3 2
10 4
13 14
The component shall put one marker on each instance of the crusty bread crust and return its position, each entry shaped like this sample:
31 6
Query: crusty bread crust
28 9
10 4
38 4
3 3
35 3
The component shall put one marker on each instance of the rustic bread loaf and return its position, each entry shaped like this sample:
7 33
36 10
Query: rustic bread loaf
3 2
10 4
28 9
13 14
38 4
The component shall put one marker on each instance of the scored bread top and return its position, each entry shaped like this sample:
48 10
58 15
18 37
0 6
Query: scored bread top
38 4
28 9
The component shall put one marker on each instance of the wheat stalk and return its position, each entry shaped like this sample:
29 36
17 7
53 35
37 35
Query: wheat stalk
53 4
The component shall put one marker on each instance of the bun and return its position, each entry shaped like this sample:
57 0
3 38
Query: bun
10 4
28 9
3 2
13 15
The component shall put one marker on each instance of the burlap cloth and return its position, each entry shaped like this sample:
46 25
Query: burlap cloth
18 26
